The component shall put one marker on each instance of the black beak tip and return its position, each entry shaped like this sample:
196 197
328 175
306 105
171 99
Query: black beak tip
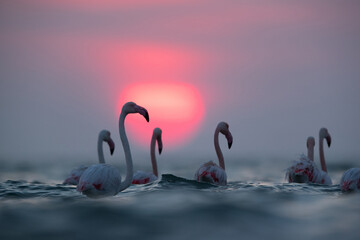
328 140
160 150
147 117
229 144
112 151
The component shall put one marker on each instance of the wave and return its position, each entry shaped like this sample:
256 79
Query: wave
175 181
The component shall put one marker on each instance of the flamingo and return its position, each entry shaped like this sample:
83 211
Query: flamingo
210 172
305 170
141 177
350 180
297 173
102 180
75 174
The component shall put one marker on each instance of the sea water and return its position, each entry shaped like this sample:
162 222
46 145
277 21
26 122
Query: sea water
257 203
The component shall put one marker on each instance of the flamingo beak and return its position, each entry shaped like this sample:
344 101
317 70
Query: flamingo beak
328 140
146 115
229 139
160 144
143 112
111 146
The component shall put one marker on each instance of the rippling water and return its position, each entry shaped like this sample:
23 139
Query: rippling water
177 208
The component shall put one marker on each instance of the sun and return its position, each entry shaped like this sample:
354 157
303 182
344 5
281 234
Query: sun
175 107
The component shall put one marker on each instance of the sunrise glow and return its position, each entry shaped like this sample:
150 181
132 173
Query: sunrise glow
176 107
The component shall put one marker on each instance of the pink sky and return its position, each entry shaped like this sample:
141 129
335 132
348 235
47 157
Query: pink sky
272 69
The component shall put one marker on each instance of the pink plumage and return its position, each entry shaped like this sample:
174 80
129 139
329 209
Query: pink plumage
141 177
75 175
212 173
350 180
305 171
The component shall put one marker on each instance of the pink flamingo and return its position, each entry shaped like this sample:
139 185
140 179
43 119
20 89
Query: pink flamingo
350 180
102 180
75 174
210 172
305 170
141 177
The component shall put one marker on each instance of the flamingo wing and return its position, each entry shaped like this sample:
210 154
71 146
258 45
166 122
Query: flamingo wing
74 176
305 171
100 180
141 177
212 173
350 180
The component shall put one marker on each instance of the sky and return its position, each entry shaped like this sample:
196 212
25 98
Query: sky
276 71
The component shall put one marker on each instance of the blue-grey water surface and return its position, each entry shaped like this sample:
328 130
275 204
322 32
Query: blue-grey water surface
256 204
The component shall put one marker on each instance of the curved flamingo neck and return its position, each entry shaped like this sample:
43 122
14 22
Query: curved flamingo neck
152 154
100 150
218 150
321 153
125 143
311 152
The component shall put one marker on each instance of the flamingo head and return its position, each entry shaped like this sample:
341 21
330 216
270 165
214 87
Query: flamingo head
325 134
224 129
157 133
131 107
105 136
310 143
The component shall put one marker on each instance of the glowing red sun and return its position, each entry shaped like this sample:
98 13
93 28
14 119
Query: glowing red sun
175 107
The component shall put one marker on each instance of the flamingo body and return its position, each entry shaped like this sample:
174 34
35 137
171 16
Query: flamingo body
141 177
211 173
305 171
350 181
100 180
75 175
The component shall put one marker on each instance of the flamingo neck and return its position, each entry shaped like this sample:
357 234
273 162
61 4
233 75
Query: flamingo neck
218 150
125 143
152 154
321 153
100 150
311 153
